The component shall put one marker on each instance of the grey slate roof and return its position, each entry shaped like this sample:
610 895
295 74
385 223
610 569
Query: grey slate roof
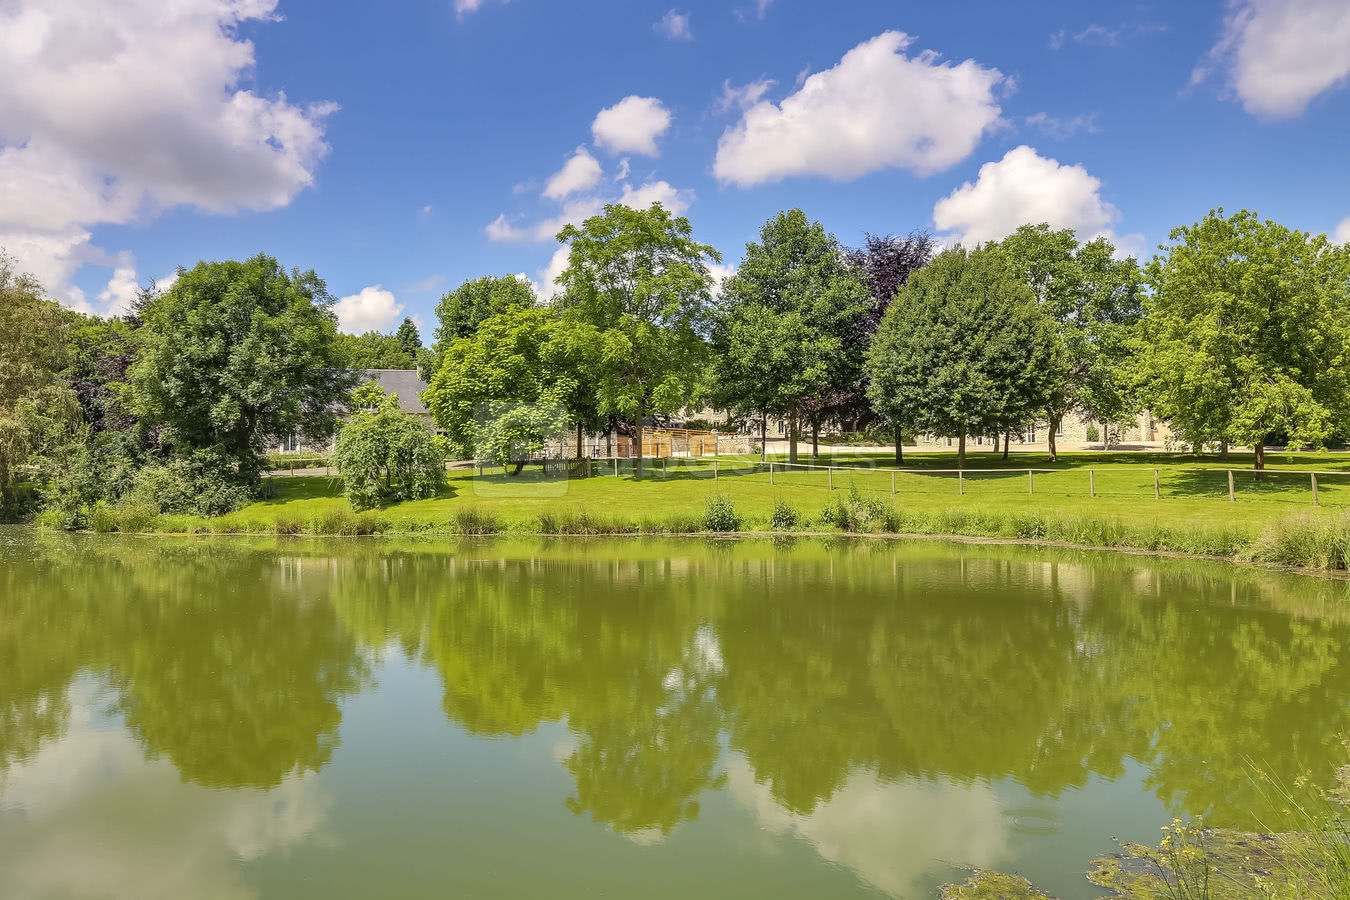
403 382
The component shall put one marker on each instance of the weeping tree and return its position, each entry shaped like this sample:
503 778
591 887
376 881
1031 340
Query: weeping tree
386 455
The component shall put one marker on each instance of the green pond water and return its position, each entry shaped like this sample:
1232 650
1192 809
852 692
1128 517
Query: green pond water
290 718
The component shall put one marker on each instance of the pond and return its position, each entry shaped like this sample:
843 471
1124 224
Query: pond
291 718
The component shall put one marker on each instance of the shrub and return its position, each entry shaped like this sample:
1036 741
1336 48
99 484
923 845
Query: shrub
1091 434
387 456
850 511
136 516
471 521
719 513
103 517
785 516
287 525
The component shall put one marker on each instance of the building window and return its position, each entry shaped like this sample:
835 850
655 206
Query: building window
1031 434
979 441
782 429
1059 431
949 442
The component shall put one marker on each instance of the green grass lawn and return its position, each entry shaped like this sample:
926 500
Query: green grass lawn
1194 491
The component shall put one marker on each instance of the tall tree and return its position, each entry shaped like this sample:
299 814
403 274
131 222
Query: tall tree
1095 302
373 350
409 338
1247 332
964 349
504 392
237 352
461 311
642 282
886 264
37 408
799 272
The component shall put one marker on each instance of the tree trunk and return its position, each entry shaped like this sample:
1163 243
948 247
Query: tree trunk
815 439
792 438
1259 448
578 440
1055 419
1007 439
609 438
961 451
637 444
763 436
899 446
1223 449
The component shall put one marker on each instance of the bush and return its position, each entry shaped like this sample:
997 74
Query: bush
850 511
1091 434
719 513
387 456
204 483
471 521
785 516
136 516
103 517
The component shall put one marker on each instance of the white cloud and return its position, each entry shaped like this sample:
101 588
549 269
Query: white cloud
744 96
624 170
111 112
940 823
463 7
1057 39
876 109
1280 54
573 212
121 291
675 25
632 125
1027 188
374 309
547 287
1063 126
674 200
1342 234
426 285
580 173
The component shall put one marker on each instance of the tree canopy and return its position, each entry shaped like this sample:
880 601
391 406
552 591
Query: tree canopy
504 391
1094 300
1246 332
237 352
384 454
964 349
462 310
641 282
796 284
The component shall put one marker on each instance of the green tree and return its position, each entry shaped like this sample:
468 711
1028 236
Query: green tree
1095 302
409 338
37 409
964 349
798 272
504 391
642 282
384 454
461 311
374 350
1246 333
235 353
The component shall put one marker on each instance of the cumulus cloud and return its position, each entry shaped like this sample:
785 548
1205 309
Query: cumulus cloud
675 200
1342 233
1027 188
580 173
632 125
374 309
582 207
113 112
675 25
464 7
1277 55
121 291
876 109
547 287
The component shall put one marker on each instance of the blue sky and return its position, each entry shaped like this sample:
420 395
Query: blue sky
400 148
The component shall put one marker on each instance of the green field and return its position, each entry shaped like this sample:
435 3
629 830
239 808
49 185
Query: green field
1192 489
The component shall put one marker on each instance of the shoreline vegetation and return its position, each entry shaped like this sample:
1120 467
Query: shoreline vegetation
1276 527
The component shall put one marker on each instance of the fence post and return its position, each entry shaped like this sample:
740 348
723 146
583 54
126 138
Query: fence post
616 467
714 470
1092 482
829 473
1157 494
1314 484
960 481
1231 497
770 473
892 484
1031 484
